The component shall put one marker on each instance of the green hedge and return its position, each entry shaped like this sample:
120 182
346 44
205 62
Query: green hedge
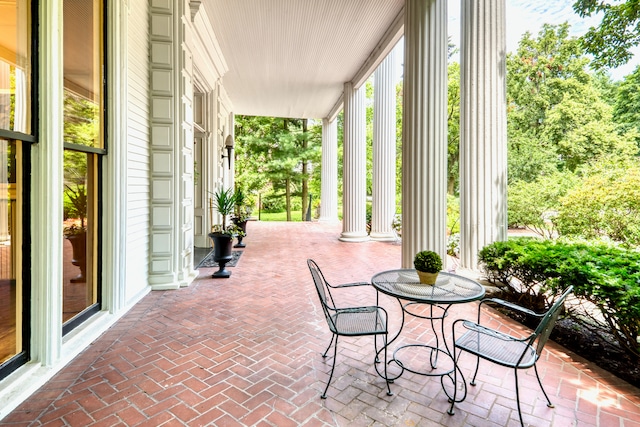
535 271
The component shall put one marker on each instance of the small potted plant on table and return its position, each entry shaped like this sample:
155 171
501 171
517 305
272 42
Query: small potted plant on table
222 235
428 264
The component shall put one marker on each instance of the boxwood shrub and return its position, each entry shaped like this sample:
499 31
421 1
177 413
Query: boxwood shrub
534 271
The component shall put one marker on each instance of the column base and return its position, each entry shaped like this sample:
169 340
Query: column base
354 237
384 237
328 219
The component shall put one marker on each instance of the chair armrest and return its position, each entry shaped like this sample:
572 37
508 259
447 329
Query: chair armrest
472 326
349 285
363 309
512 306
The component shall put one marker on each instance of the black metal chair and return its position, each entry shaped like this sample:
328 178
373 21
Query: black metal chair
504 349
349 321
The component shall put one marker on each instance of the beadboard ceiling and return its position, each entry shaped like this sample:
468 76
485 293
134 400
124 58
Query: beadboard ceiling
290 58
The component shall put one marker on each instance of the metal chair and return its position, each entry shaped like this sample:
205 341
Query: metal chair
504 349
349 321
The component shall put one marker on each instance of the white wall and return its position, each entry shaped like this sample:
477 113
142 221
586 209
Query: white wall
137 146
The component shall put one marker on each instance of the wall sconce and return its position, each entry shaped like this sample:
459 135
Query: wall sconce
228 145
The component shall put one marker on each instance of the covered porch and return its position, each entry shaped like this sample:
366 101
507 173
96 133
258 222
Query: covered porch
247 351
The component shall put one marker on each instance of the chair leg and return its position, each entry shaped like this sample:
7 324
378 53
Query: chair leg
473 380
384 338
549 404
518 398
375 348
329 346
455 382
333 365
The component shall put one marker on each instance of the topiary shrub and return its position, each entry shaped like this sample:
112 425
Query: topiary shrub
428 261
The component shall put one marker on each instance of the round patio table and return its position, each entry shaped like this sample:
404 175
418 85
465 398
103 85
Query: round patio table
449 289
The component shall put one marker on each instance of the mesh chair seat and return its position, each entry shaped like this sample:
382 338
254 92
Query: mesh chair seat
360 321
497 347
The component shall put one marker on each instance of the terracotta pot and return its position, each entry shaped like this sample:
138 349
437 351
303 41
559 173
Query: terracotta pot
427 278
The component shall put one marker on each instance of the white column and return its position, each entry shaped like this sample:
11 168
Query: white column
329 184
354 193
46 195
424 151
483 135
384 150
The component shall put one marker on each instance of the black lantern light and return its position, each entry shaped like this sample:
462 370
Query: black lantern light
228 145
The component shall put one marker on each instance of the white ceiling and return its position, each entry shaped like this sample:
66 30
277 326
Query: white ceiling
290 58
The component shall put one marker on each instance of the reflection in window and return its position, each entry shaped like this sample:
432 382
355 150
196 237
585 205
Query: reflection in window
15 66
83 72
79 290
83 131
15 119
10 288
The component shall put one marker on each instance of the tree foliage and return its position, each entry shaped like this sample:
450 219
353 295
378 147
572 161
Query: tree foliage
611 42
535 204
606 204
626 111
557 118
453 128
560 124
270 156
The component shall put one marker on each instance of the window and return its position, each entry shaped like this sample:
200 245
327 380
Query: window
15 134
84 146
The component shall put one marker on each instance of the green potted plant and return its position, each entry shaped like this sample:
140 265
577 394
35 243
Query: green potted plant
428 264
222 235
241 213
75 229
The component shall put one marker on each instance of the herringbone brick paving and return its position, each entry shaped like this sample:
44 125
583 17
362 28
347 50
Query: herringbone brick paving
245 351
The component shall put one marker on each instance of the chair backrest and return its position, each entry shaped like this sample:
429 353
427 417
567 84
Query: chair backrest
543 331
326 300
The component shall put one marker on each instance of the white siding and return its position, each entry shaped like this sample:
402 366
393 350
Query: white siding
137 150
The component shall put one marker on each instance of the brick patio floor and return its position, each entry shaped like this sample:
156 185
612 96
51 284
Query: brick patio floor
245 351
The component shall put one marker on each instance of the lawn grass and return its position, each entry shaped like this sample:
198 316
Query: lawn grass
280 216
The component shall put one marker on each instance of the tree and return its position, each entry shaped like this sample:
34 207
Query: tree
626 110
557 119
582 129
611 42
271 155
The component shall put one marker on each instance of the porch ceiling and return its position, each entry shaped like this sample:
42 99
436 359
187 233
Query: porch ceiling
290 58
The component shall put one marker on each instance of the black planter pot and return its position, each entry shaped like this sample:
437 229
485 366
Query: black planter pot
243 226
222 246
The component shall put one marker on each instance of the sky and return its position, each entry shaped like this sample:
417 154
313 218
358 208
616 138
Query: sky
527 15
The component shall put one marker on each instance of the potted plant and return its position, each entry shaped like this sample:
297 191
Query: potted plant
75 230
241 213
222 234
428 264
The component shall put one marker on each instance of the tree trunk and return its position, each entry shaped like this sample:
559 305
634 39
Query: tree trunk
305 179
288 198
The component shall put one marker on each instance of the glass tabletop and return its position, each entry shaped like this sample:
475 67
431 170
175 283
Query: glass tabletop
449 288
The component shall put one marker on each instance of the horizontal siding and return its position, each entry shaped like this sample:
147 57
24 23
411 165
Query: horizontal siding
138 149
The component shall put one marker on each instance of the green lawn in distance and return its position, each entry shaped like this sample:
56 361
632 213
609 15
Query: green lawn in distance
280 216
